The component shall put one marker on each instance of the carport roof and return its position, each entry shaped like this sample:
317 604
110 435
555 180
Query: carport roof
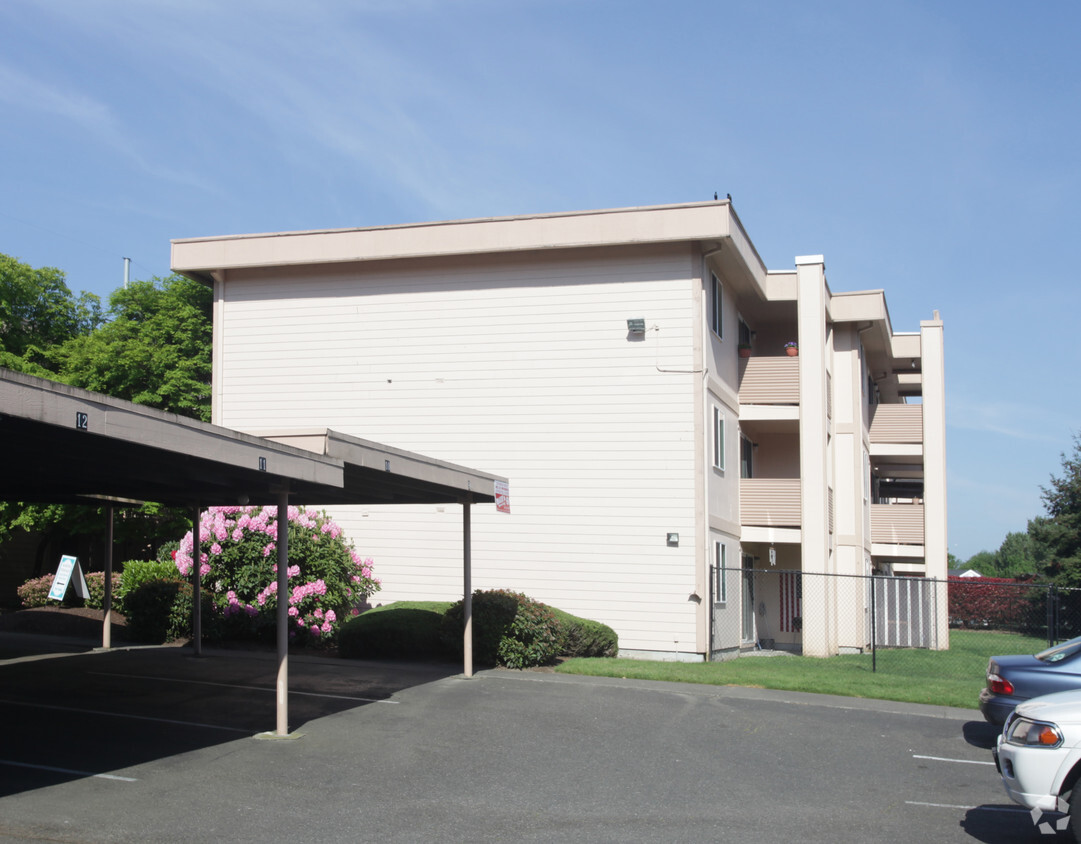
64 444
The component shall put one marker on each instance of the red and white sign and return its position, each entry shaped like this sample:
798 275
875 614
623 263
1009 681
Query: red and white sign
502 496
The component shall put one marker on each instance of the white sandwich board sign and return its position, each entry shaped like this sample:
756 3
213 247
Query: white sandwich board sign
68 573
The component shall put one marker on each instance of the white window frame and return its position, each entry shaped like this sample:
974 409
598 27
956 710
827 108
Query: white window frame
716 306
721 558
719 436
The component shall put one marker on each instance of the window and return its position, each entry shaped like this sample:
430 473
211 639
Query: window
718 438
716 311
745 333
746 457
720 590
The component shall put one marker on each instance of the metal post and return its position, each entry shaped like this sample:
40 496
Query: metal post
282 688
107 603
196 585
874 627
467 600
1051 615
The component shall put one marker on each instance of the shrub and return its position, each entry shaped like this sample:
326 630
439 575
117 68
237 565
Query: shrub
35 592
584 637
402 630
95 586
159 611
508 629
138 572
238 563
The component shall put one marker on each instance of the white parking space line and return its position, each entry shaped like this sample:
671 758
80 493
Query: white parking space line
292 692
961 761
122 715
68 771
967 808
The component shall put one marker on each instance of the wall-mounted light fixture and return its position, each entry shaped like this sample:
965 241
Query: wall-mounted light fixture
636 326
673 540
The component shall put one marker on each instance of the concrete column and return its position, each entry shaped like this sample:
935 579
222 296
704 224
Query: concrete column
819 596
933 369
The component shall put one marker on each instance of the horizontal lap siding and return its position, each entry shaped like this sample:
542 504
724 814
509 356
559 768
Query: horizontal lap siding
522 368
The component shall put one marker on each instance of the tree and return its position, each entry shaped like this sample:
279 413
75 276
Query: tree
1018 554
1060 531
38 311
155 349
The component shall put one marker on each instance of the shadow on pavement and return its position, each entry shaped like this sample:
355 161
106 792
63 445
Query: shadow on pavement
71 715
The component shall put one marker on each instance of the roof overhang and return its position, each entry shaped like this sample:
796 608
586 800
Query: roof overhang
709 224
64 444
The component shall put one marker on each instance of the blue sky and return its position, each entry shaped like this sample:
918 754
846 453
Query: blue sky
926 148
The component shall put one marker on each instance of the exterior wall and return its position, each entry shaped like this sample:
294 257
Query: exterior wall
522 364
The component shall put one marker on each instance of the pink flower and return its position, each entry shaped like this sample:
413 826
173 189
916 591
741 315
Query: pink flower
215 548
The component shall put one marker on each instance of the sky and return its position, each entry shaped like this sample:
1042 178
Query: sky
928 149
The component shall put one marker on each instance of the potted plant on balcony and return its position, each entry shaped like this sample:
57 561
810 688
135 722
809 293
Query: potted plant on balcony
791 348
744 350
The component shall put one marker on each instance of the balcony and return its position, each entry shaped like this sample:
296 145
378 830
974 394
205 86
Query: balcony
897 524
770 502
769 380
900 424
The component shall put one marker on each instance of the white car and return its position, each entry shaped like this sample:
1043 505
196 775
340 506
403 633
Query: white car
1039 758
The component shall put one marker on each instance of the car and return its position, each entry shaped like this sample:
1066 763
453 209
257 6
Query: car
1014 679
1038 756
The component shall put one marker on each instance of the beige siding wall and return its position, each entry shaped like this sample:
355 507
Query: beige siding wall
523 367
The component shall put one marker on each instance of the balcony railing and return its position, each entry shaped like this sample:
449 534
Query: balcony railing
896 423
897 524
769 380
770 502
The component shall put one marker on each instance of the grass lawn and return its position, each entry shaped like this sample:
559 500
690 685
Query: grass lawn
952 677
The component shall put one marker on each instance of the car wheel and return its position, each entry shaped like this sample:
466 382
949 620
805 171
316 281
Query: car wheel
1075 812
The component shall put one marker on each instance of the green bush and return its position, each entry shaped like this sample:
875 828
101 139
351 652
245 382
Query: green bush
533 638
138 572
584 637
402 630
95 585
159 611
508 629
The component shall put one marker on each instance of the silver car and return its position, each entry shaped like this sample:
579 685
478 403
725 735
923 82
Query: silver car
1039 758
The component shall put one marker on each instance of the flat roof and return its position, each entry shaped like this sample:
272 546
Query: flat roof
710 222
64 444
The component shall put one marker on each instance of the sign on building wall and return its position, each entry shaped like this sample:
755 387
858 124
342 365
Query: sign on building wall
502 496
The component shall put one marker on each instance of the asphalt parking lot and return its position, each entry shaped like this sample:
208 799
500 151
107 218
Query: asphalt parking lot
152 744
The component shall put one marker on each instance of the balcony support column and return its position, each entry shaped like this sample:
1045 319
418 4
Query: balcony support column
819 593
933 369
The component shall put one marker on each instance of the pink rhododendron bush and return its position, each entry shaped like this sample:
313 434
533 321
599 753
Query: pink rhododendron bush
328 579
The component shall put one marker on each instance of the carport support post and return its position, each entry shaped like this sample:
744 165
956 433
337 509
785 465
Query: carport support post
196 585
467 599
283 614
107 602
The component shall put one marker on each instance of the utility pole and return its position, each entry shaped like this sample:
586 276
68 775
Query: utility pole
127 272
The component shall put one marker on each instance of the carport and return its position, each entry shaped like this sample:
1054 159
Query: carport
67 445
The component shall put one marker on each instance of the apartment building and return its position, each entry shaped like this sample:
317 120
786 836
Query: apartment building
627 370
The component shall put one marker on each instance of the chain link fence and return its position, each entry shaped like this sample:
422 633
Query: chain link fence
884 618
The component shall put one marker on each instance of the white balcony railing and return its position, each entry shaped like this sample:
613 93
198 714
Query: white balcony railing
769 380
897 524
770 502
